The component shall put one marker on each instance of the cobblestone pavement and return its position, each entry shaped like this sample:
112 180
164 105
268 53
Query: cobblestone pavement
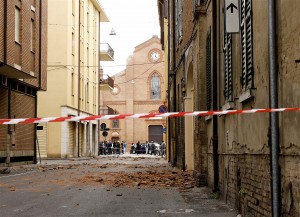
150 177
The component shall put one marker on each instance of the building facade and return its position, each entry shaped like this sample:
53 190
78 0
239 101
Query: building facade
138 89
73 67
23 65
210 69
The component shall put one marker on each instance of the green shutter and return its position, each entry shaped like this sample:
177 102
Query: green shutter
246 44
228 86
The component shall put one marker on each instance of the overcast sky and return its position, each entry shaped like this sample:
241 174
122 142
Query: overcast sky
134 21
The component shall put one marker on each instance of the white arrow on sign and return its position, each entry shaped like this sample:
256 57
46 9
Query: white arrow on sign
232 16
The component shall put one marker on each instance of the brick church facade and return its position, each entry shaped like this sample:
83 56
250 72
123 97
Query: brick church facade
138 89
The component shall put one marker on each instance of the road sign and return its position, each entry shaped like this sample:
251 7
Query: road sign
232 16
163 109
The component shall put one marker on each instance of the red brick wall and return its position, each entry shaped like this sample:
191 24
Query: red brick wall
43 72
22 105
25 56
1 30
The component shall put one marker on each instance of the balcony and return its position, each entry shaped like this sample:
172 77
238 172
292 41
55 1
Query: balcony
106 52
199 7
106 84
14 71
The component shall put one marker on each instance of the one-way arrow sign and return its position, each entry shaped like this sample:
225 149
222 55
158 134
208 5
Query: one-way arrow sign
232 16
231 6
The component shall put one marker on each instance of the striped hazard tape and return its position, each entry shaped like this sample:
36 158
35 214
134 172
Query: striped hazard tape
128 116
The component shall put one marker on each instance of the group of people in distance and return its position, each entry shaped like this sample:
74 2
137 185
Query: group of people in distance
148 148
117 147
109 147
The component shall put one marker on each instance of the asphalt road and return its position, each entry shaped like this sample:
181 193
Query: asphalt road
108 187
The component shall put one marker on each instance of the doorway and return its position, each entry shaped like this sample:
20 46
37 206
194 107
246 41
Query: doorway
155 133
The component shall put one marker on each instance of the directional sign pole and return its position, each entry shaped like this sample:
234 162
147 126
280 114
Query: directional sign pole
232 16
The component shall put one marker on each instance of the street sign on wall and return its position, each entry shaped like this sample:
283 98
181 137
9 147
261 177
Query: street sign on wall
232 16
163 109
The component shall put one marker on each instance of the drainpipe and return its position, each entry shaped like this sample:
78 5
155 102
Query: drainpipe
99 92
170 148
215 98
40 45
79 29
9 127
274 123
35 132
183 109
174 77
40 80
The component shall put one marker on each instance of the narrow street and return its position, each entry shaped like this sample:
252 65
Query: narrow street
105 186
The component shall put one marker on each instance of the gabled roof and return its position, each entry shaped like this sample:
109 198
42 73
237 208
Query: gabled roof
146 43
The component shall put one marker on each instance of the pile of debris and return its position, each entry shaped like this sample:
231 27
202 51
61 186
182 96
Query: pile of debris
148 179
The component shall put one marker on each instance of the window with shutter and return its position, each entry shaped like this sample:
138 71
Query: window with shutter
179 20
228 67
155 87
208 72
246 45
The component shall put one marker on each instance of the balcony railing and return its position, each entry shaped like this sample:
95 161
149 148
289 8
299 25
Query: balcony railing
106 52
199 7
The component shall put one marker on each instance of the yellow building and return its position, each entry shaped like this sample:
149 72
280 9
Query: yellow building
138 89
73 81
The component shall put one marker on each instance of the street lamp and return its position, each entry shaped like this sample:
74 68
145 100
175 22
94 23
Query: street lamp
112 31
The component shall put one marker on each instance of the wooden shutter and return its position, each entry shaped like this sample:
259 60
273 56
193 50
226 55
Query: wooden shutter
208 71
228 67
246 40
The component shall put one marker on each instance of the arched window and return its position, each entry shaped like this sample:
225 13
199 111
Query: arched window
155 87
115 124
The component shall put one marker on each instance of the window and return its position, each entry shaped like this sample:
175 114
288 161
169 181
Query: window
155 87
87 92
73 7
208 72
94 98
87 57
165 9
17 24
228 67
81 8
87 21
33 3
32 38
115 124
73 43
179 20
246 40
73 83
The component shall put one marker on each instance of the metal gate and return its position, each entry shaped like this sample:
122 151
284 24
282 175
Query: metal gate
72 130
155 133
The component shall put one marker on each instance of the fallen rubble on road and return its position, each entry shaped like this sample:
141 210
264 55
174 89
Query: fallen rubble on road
147 179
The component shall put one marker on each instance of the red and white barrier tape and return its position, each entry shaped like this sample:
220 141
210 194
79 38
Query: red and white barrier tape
127 116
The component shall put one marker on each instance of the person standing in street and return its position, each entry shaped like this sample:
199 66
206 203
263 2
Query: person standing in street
124 147
138 147
147 147
163 149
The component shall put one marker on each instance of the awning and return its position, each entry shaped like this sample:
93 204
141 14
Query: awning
115 134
